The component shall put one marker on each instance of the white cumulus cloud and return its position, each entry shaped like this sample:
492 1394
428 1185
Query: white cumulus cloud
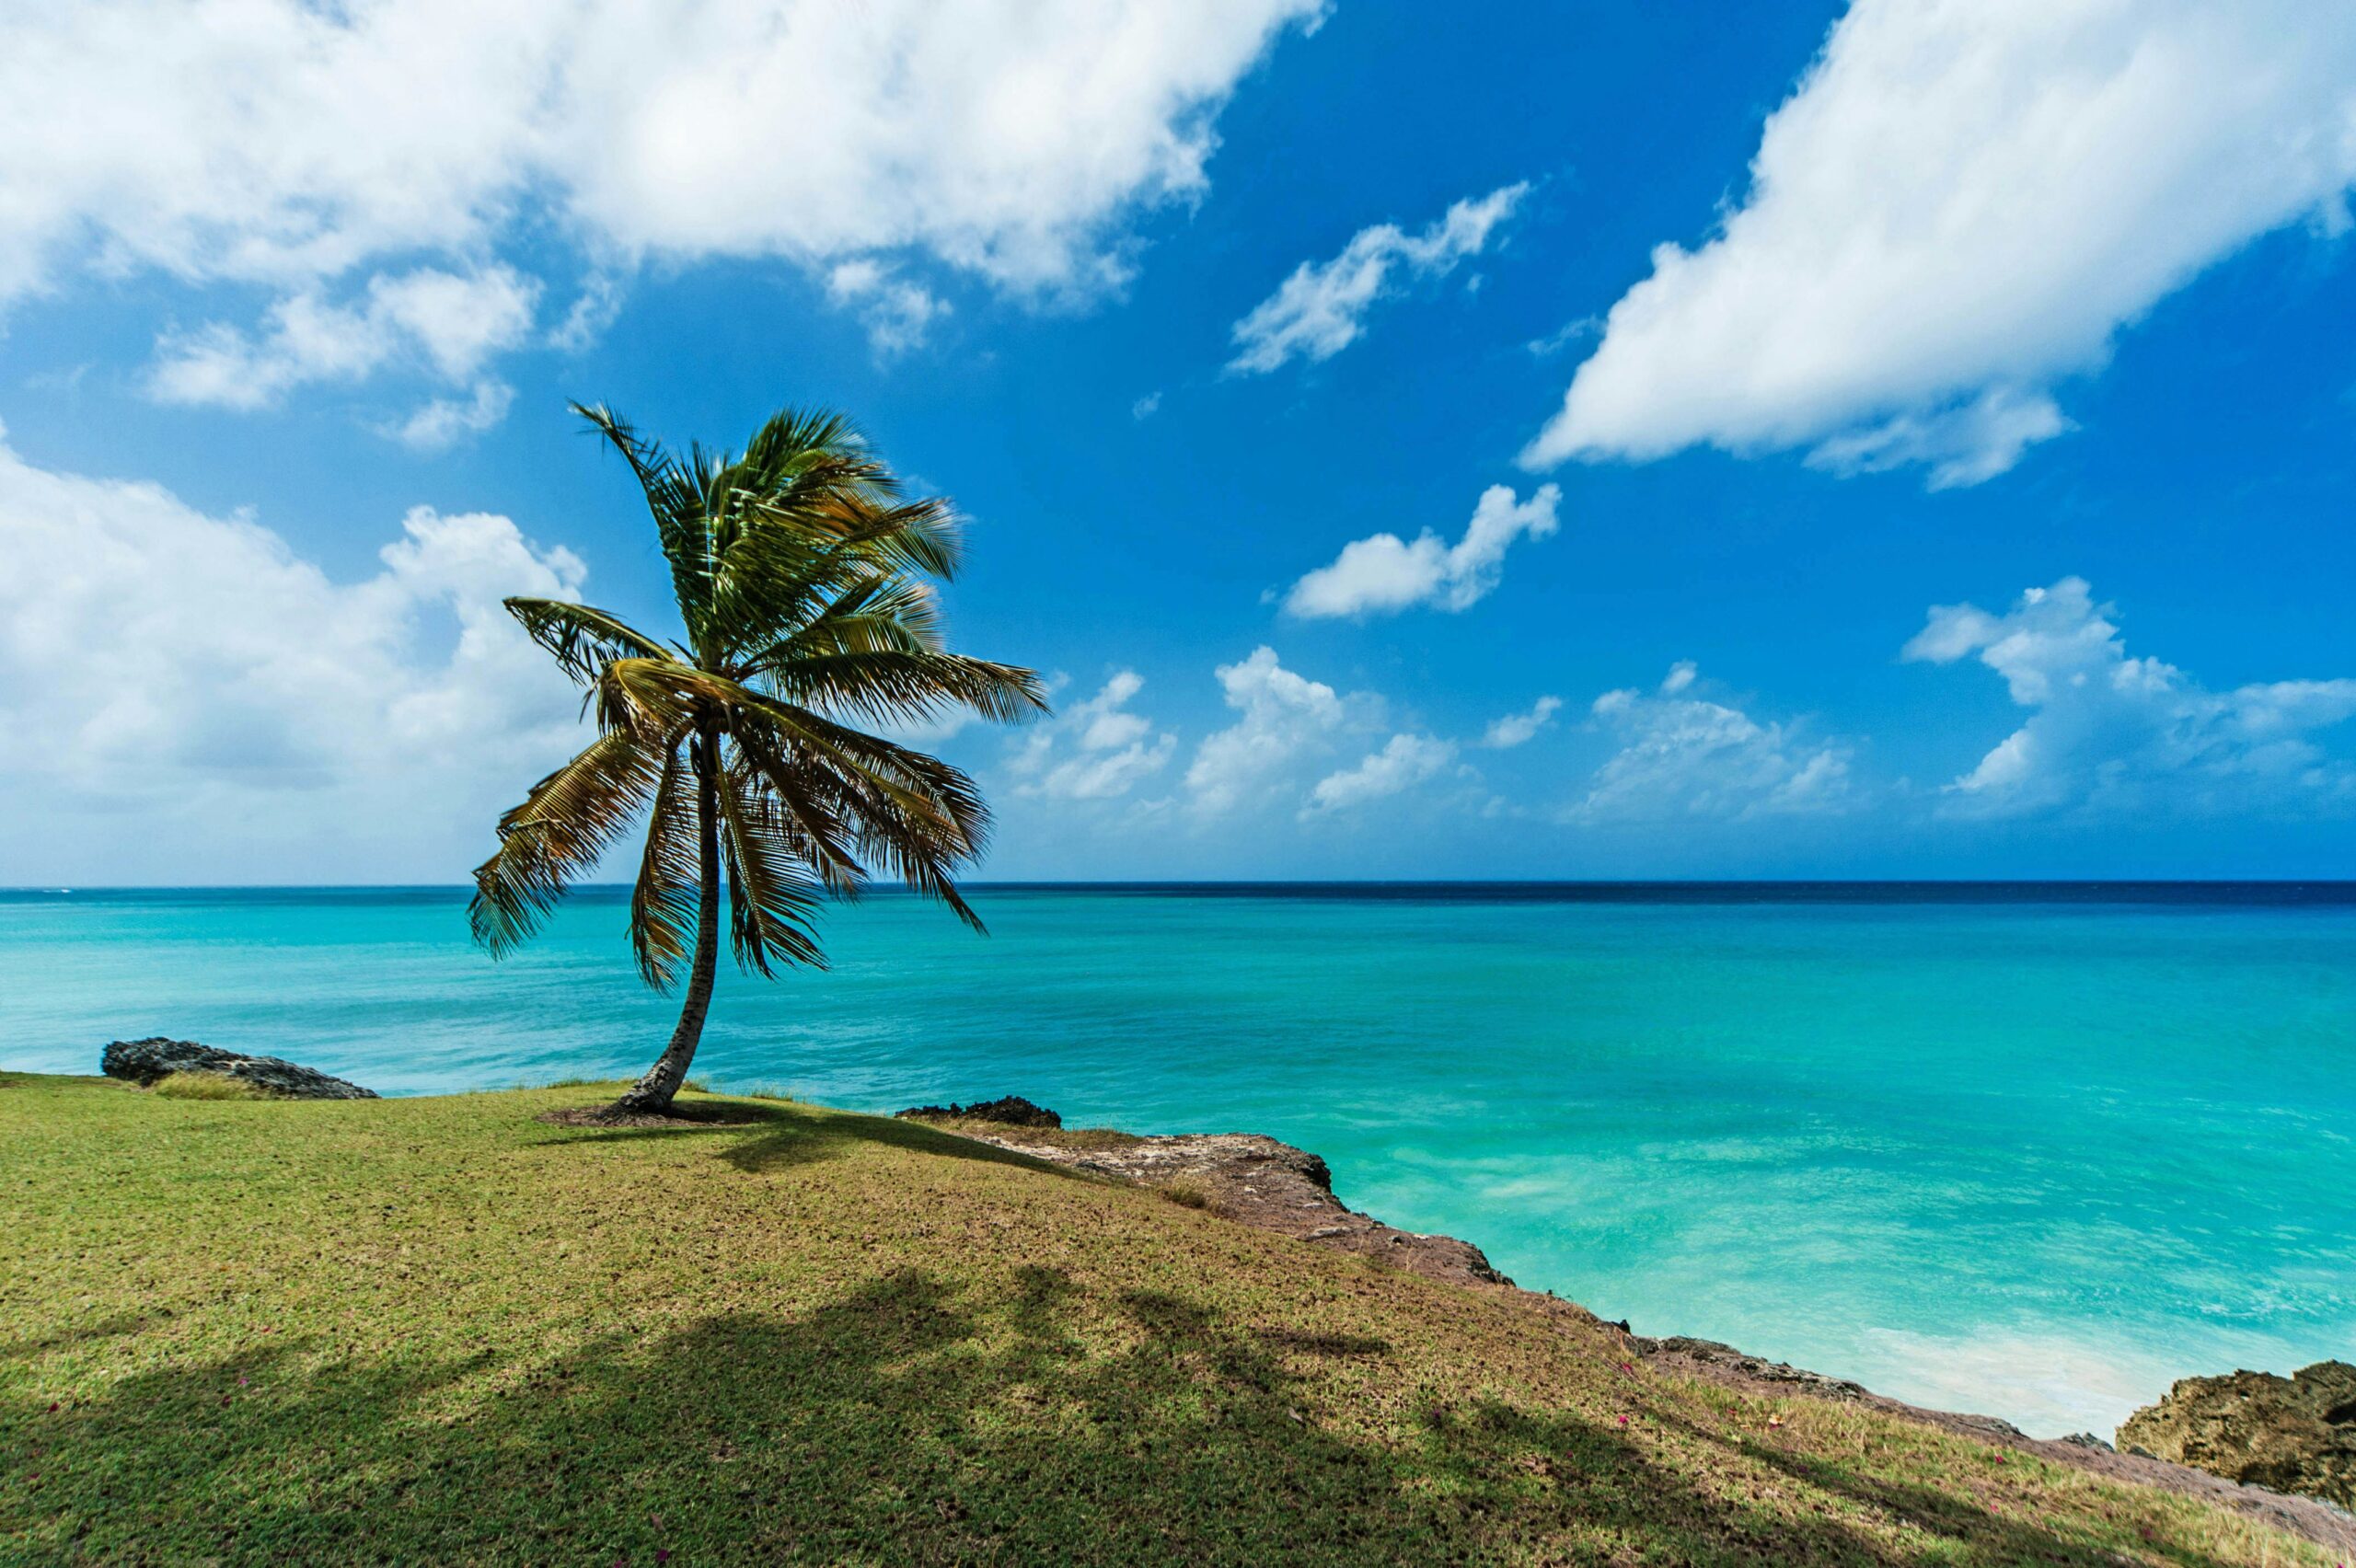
894 311
444 422
1283 717
442 323
1384 573
1321 309
2110 731
1682 756
1520 729
1094 750
1960 205
285 143
206 705
1405 762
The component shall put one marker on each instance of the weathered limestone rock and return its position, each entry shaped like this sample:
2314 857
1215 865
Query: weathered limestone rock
144 1062
2294 1434
1243 1176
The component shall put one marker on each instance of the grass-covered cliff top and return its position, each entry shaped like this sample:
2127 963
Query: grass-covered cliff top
444 1331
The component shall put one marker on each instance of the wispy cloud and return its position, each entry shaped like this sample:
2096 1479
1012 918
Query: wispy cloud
1321 309
1383 574
1094 750
1404 761
1520 729
442 325
1683 756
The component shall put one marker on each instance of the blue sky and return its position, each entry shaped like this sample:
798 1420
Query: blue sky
1965 494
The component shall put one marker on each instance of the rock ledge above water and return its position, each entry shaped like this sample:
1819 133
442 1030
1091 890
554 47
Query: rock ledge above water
149 1061
2294 1434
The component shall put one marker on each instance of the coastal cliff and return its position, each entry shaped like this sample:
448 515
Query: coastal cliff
2233 1445
478 1328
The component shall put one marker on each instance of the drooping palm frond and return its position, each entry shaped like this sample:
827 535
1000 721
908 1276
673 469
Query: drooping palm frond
582 641
568 819
670 875
773 894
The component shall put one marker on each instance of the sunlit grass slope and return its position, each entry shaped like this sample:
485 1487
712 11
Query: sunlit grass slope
442 1330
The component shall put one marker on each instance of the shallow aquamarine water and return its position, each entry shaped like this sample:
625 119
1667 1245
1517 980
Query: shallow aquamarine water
2034 1152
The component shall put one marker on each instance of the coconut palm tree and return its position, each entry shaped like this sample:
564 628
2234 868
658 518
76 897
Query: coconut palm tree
805 583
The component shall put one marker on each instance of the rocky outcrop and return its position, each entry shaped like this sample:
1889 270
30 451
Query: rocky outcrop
2294 1434
1698 1353
1244 1177
146 1062
1011 1112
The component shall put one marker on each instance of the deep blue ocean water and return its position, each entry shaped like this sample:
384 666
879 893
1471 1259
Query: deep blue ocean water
2032 1150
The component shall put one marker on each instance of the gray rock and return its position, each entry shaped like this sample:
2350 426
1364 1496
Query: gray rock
149 1061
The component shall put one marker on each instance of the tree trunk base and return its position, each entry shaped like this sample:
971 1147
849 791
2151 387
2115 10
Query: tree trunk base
692 1116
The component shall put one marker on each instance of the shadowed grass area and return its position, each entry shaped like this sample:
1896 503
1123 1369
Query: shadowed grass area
444 1331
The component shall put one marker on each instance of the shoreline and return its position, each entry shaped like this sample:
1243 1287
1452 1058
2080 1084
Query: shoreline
1254 1179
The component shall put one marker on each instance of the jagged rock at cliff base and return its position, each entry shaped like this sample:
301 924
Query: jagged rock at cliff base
2294 1434
1244 1177
1011 1112
148 1061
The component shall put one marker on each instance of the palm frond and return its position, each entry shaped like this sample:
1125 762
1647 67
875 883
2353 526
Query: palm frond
890 684
919 818
582 640
670 876
674 500
568 819
772 897
825 841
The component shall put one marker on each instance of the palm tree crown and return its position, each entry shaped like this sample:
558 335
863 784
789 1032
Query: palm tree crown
805 585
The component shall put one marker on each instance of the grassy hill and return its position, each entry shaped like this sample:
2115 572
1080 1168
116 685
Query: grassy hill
442 1330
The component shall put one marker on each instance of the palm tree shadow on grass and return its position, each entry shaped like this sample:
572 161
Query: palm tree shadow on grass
772 1138
904 1421
1945 1517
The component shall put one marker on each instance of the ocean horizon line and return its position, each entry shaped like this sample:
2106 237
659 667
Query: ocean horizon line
2241 891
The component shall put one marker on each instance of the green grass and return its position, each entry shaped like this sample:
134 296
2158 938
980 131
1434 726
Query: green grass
1085 1141
206 1085
440 1331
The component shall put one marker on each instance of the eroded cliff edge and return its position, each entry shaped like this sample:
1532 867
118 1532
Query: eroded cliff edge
1258 1181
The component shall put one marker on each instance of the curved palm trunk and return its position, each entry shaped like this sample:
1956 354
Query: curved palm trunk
654 1092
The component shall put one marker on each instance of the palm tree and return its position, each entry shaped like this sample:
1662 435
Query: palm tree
805 583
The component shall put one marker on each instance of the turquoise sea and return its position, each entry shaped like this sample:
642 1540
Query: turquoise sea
2031 1150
